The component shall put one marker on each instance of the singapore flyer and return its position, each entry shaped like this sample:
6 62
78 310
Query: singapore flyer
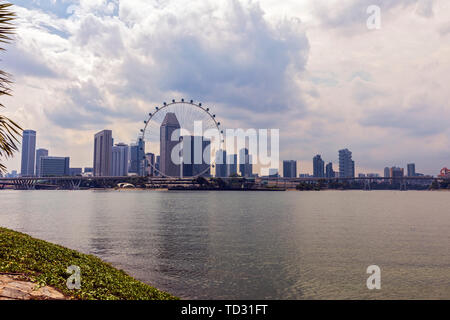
183 138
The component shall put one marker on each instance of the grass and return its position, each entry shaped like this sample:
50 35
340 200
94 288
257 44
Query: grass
46 264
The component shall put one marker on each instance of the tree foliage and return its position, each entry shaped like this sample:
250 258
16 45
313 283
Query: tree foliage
9 130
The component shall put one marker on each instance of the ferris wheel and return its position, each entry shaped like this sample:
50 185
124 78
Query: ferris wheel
191 116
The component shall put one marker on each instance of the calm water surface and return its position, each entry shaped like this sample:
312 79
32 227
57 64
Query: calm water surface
252 245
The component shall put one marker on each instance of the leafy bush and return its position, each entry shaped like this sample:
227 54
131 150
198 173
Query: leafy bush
46 264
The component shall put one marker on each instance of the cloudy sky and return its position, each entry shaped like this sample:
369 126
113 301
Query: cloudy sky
311 68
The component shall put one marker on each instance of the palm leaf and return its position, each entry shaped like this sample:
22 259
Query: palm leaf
9 130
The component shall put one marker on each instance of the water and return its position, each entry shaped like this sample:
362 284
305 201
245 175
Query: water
252 245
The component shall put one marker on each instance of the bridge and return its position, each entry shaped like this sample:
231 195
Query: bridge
403 182
78 182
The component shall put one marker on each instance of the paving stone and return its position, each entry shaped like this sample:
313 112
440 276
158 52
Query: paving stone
48 293
21 285
14 294
5 279
13 287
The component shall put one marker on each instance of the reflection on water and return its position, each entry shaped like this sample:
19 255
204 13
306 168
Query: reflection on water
252 245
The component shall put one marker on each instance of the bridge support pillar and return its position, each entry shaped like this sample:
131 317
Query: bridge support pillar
367 185
403 186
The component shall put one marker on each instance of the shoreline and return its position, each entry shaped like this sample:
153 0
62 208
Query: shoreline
45 264
219 190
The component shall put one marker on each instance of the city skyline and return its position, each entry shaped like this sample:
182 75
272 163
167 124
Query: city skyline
350 92
123 159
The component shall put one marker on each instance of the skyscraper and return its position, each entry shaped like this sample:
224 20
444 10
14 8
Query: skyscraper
232 165
28 153
396 174
55 166
137 158
289 168
318 167
196 159
134 162
149 164
39 154
245 163
141 157
169 138
387 174
346 164
119 160
221 163
103 153
411 170
329 172
157 166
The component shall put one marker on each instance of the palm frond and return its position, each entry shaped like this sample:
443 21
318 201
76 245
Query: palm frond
9 130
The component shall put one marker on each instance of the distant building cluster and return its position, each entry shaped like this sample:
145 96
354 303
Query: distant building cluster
123 160
396 173
120 159
322 170
117 160
38 163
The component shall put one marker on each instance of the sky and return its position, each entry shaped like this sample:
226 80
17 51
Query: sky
311 68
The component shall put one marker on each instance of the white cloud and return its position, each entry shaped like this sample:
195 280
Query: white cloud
310 68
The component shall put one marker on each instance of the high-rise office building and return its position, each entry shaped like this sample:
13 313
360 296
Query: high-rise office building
119 160
232 165
137 158
289 168
318 167
39 154
396 174
245 163
329 172
169 138
134 162
387 174
75 172
346 164
411 170
195 156
149 164
141 157
103 153
28 153
157 166
221 163
55 166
